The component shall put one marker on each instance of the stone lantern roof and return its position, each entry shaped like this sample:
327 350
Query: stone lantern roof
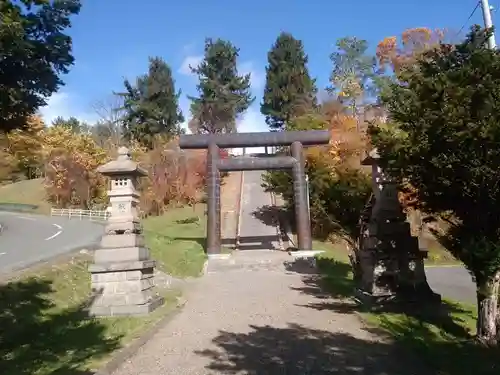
123 164
370 158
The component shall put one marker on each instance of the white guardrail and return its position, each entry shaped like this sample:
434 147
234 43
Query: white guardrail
75 213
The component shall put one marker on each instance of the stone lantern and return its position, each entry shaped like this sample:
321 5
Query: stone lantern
388 265
123 273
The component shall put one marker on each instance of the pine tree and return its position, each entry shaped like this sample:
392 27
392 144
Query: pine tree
152 105
289 91
223 93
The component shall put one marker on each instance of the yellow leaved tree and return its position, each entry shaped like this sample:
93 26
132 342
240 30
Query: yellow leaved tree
71 161
25 148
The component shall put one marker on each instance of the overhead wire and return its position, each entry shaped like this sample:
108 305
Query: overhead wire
470 16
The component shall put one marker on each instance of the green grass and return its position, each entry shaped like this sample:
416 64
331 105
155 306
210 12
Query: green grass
442 340
43 325
30 192
45 329
176 240
440 337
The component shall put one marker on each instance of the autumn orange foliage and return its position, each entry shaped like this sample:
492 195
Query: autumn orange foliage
338 182
174 177
347 142
399 53
68 161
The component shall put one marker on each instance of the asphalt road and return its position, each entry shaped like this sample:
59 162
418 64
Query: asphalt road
453 283
27 239
256 231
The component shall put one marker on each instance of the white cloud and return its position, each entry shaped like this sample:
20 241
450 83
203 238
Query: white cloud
257 77
188 48
55 104
64 104
188 63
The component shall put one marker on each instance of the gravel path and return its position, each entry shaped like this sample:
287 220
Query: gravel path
252 316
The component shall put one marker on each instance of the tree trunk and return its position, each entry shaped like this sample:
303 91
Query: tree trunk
487 310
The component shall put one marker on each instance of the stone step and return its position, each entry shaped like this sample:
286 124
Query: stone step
251 260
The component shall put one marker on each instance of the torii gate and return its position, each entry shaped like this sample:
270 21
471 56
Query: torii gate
296 162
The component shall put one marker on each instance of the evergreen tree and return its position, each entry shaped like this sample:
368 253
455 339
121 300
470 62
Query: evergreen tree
223 93
34 51
289 91
443 141
151 106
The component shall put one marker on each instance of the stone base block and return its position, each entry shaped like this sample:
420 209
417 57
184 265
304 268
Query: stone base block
126 310
115 228
123 288
372 301
141 266
123 298
420 292
123 240
124 254
414 299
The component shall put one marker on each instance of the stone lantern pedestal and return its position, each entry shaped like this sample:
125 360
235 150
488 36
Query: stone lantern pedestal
123 273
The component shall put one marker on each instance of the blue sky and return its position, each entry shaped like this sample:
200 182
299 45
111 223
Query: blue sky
113 38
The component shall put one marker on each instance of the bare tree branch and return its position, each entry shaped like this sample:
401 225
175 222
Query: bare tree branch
109 127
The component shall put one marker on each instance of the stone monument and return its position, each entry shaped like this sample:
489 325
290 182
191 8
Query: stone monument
388 265
123 273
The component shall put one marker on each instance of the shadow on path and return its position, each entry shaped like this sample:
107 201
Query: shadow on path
437 334
246 242
253 243
297 350
270 215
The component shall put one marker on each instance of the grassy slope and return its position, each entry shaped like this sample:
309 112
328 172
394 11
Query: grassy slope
176 240
26 192
441 339
44 327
